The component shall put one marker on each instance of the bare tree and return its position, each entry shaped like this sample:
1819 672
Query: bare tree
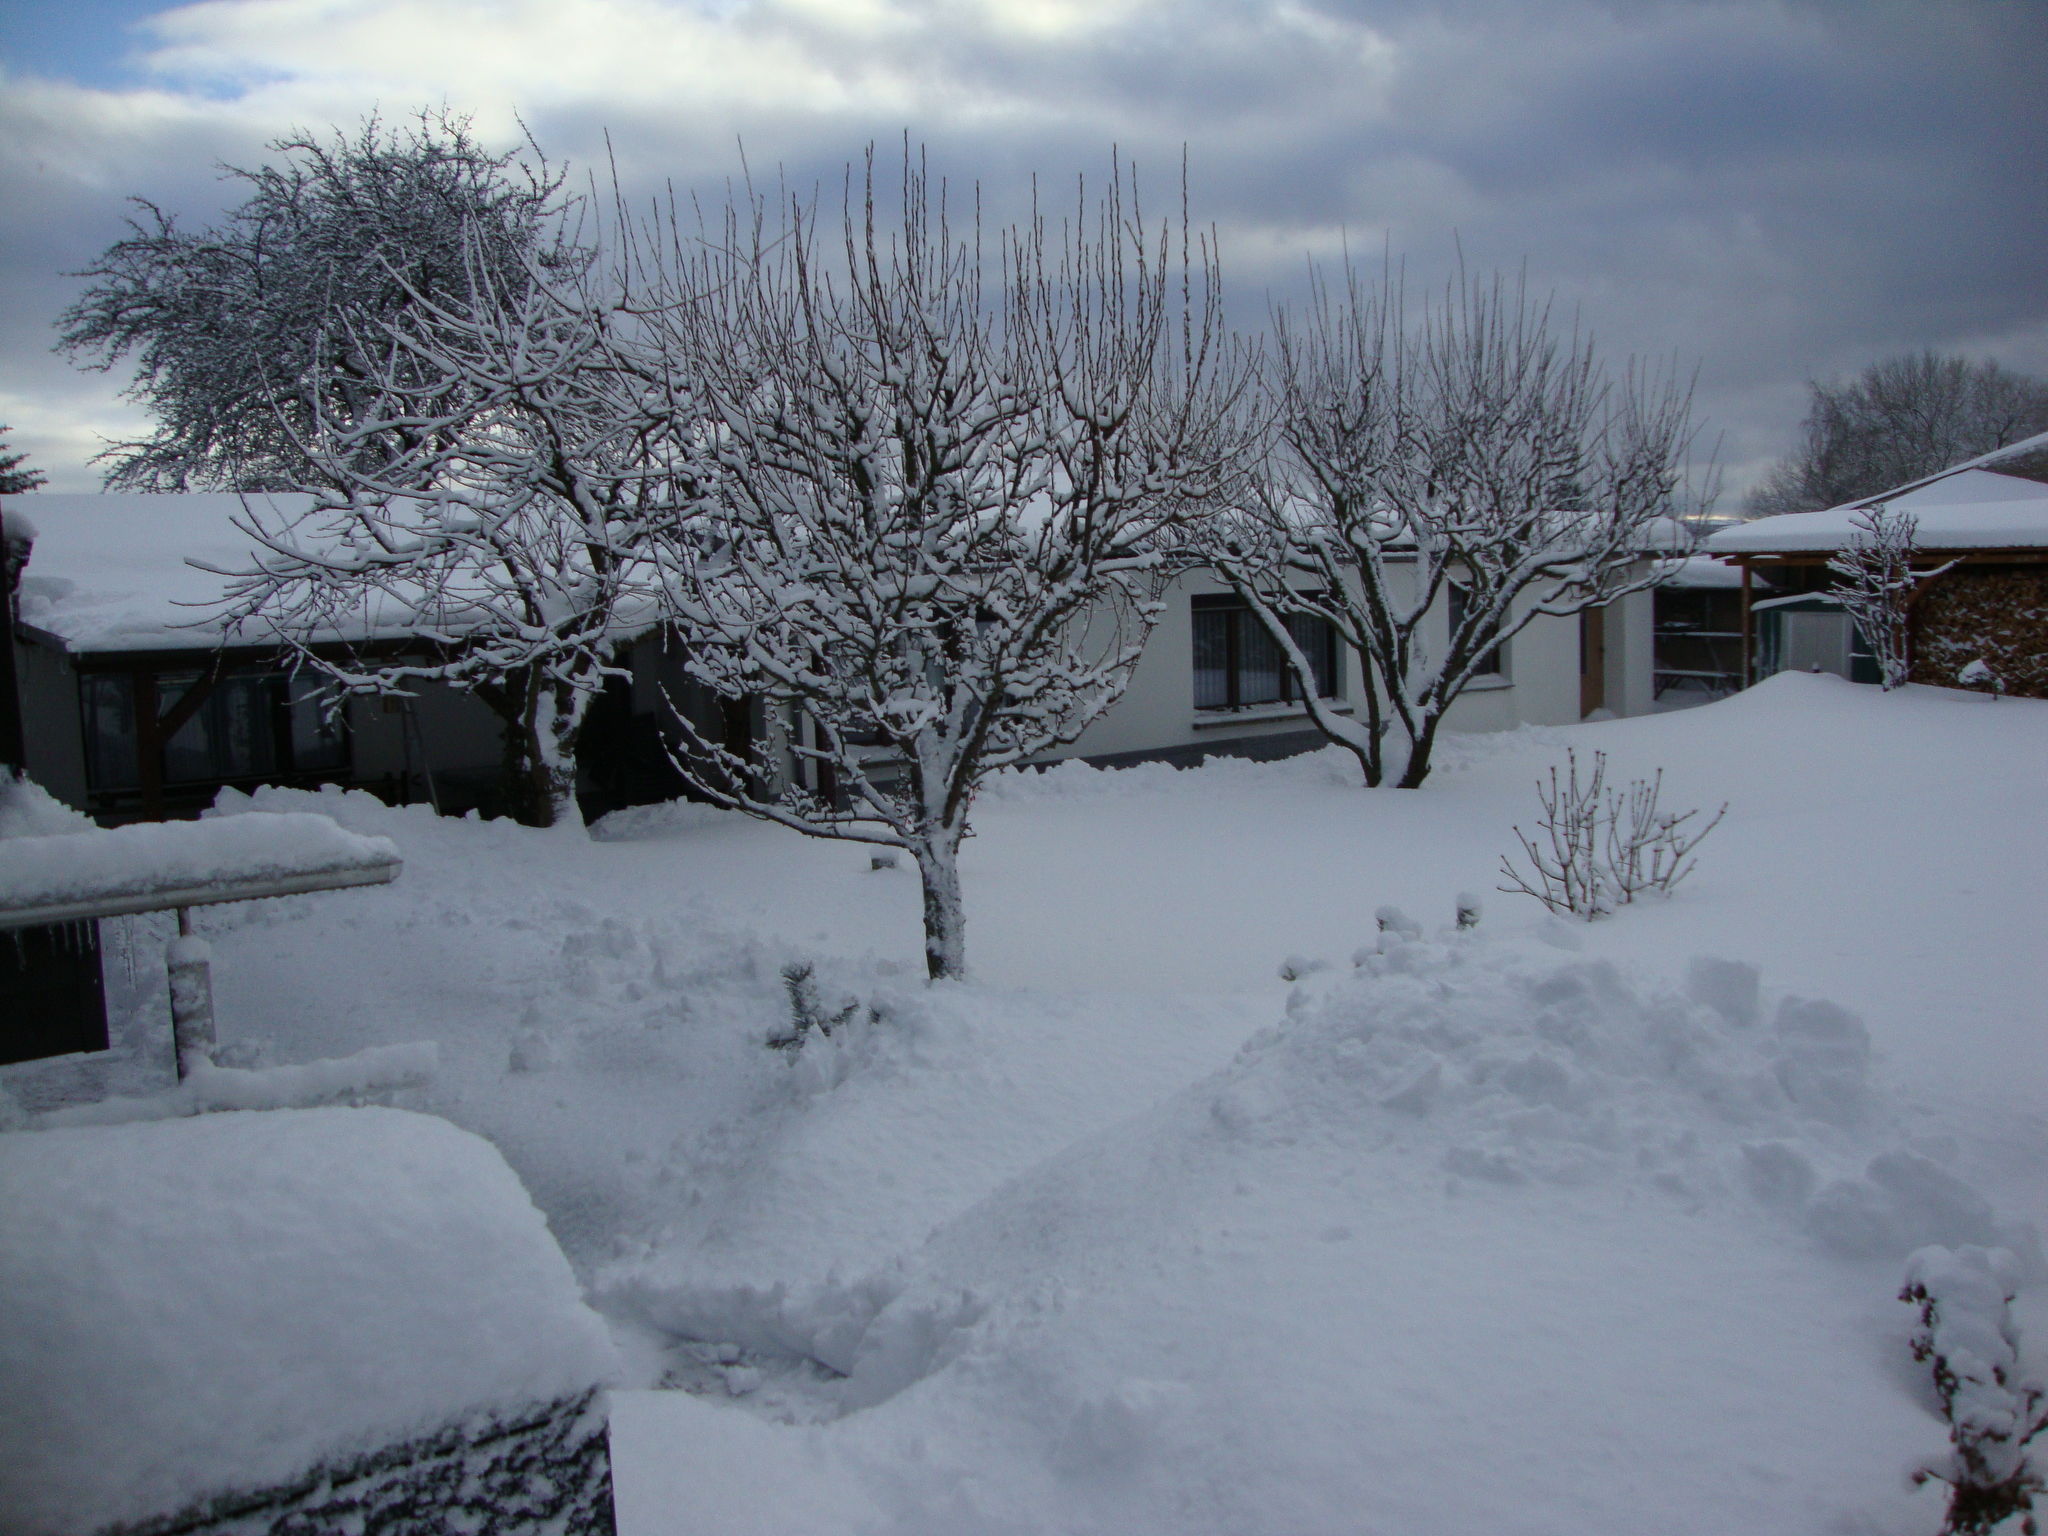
1875 580
483 512
937 498
240 331
1475 463
1898 421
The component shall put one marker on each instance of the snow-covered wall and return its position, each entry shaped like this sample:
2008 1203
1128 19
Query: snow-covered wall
222 1303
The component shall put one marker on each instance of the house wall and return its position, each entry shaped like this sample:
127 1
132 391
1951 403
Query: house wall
1157 714
54 734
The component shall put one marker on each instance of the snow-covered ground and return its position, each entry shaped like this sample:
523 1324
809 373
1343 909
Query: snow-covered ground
1539 1228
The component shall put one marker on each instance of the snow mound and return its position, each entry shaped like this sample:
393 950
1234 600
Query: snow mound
199 1306
1468 1192
29 810
1510 1065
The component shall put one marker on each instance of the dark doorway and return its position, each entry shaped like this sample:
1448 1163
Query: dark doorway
52 1000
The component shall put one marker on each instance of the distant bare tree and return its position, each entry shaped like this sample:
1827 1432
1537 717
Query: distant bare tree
1896 422
1476 461
941 479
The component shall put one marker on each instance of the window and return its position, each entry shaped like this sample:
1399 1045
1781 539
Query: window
1237 663
1494 660
251 726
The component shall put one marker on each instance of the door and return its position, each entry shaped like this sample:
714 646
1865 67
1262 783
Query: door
1816 642
1592 660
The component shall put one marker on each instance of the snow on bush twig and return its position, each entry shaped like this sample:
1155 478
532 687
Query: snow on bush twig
1966 1332
1875 580
1601 848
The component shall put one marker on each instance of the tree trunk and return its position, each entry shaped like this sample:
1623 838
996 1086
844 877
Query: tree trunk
1419 746
543 720
945 915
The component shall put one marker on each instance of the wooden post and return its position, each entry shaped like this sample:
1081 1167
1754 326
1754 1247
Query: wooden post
1747 678
190 965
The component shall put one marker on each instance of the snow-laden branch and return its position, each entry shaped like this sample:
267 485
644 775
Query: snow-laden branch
491 499
940 484
1475 447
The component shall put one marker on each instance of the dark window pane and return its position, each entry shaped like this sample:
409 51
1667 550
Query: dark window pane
1212 657
188 754
108 702
1318 642
232 736
1260 664
319 739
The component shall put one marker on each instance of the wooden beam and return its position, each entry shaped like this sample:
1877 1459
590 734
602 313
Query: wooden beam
1747 627
149 747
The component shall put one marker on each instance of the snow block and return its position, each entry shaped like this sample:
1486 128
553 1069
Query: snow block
289 1320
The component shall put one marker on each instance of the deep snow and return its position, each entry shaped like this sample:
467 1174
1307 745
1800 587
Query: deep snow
1541 1228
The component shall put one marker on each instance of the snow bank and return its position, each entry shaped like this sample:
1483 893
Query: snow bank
1468 1194
196 1306
29 810
184 863
303 1085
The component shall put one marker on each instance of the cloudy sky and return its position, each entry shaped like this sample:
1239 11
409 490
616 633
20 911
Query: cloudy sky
1770 189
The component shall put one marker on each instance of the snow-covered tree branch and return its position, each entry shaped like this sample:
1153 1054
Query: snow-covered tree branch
483 512
239 331
942 479
1474 462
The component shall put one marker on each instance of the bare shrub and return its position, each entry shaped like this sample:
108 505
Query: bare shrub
1601 848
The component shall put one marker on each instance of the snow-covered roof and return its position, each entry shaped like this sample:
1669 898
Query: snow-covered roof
127 572
1966 508
1702 571
109 572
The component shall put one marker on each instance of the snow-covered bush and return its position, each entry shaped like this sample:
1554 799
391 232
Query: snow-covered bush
1978 674
1875 580
1601 848
1966 1337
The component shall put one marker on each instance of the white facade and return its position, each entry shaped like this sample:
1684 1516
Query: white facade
1540 683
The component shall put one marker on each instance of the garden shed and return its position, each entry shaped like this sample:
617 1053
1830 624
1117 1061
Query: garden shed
1985 520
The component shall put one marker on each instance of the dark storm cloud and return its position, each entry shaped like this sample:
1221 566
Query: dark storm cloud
1775 189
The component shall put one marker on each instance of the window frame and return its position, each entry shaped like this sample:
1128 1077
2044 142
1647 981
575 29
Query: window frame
1493 661
1237 614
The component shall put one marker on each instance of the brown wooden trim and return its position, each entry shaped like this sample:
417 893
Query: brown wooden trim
189 703
149 747
1748 628
2031 555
